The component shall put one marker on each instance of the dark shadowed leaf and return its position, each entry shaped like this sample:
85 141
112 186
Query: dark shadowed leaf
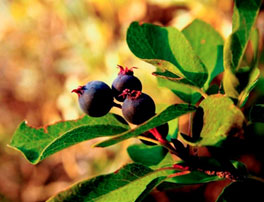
166 115
168 50
37 144
256 113
131 182
246 190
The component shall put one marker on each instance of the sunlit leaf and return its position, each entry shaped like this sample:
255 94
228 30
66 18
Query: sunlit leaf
168 50
254 38
243 21
37 144
126 185
253 78
221 118
234 48
186 92
173 129
208 45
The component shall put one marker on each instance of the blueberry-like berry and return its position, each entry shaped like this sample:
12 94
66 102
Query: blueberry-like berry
95 98
138 107
125 80
162 130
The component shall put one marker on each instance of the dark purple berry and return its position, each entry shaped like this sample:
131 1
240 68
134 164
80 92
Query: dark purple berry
138 107
125 80
162 130
95 98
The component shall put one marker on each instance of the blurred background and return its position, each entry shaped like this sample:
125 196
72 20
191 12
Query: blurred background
48 48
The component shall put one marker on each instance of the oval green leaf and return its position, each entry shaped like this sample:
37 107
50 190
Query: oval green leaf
221 118
147 155
131 182
242 24
235 45
167 49
37 144
208 45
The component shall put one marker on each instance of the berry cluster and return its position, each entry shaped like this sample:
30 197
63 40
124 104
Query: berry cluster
96 99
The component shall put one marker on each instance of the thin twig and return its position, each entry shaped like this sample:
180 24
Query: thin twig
256 178
167 145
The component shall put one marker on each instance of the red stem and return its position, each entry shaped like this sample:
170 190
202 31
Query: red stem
158 136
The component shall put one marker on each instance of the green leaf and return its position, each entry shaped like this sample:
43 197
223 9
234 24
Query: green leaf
246 190
221 118
254 38
168 114
253 79
230 83
147 155
173 129
185 92
126 185
37 144
208 45
234 48
243 21
256 113
149 187
167 161
168 50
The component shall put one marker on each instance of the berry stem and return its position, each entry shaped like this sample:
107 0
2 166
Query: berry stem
190 125
185 172
117 105
187 169
256 178
158 136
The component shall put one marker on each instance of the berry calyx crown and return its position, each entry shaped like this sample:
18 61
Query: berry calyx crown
134 94
79 90
125 70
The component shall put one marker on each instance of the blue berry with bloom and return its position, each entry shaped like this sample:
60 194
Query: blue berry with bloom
95 98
